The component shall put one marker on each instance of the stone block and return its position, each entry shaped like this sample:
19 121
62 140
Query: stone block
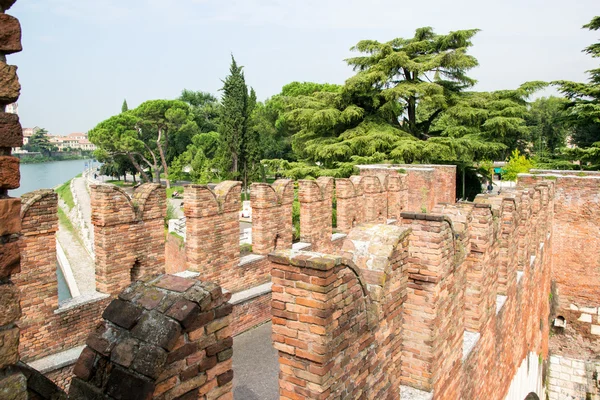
85 363
6 4
225 378
10 257
13 387
11 133
103 339
10 214
10 88
124 352
184 311
9 347
174 283
155 328
585 318
596 330
9 173
123 385
10 34
122 313
149 361
10 309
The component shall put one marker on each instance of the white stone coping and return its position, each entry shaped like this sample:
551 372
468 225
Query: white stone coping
79 301
391 221
470 339
531 261
338 236
500 300
187 274
410 393
300 246
56 361
519 276
250 258
65 267
249 294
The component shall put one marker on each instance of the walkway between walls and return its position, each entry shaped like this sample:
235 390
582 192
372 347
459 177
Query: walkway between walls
81 263
255 365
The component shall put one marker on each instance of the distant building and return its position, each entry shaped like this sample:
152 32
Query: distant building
73 141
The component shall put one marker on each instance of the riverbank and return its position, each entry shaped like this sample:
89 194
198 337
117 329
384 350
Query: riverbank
39 159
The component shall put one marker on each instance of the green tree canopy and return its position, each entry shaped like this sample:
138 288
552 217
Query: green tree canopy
583 108
548 129
159 123
40 142
124 107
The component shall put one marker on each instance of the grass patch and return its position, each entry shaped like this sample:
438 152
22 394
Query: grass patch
120 183
64 192
178 189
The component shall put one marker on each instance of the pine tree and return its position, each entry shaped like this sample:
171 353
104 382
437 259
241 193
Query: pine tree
234 118
124 106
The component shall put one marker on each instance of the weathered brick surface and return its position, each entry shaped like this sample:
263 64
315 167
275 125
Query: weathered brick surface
427 185
375 199
448 270
183 346
349 194
140 219
9 172
272 215
337 321
10 34
175 258
316 212
10 88
11 134
213 231
251 313
43 330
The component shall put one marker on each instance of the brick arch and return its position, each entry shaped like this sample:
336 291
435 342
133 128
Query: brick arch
148 200
163 338
115 204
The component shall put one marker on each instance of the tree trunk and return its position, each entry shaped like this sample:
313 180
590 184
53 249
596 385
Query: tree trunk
143 174
162 158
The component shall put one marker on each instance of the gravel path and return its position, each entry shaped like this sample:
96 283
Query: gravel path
84 200
81 262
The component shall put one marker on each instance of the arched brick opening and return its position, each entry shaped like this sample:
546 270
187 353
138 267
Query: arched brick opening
532 396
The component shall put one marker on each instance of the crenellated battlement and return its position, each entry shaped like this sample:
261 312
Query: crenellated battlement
129 234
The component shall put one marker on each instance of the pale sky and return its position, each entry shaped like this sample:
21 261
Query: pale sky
81 58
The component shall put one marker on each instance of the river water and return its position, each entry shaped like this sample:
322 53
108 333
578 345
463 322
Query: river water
48 175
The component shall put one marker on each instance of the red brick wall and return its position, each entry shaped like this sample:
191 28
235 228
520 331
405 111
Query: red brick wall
213 232
576 243
272 215
251 313
175 259
140 219
316 212
349 194
45 331
326 308
375 199
62 377
397 195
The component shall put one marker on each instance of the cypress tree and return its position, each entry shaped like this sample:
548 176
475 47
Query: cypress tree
124 106
234 118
